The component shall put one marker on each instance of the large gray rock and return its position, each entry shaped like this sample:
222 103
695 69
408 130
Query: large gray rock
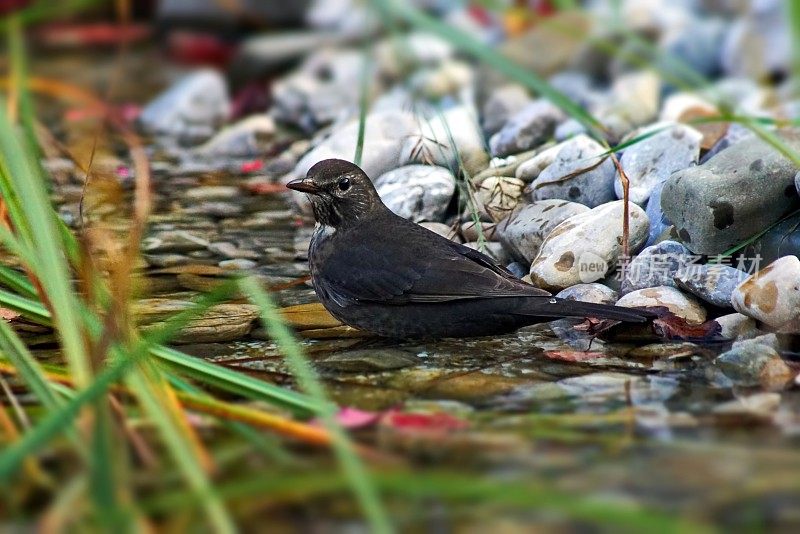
527 129
579 173
522 232
733 195
587 246
652 160
417 192
190 110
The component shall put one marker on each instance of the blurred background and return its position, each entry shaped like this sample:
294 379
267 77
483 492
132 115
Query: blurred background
143 151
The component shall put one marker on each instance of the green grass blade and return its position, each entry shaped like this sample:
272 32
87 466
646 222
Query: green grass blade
363 104
354 470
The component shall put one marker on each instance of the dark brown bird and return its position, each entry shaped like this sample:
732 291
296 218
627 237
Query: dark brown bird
379 272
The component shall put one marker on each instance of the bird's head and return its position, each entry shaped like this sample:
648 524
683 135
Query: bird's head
340 192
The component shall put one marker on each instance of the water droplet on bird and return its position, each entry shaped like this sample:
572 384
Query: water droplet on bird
553 301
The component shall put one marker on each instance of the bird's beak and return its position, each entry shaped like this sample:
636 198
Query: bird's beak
304 185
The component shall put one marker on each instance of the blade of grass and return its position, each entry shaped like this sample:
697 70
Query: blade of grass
354 470
362 104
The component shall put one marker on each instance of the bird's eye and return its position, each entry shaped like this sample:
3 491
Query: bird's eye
344 184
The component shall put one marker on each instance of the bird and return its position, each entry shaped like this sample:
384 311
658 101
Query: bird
383 274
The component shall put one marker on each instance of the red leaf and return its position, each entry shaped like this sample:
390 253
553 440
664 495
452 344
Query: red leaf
423 421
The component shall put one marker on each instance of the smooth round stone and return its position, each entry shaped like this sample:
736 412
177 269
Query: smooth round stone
470 232
737 326
697 44
587 246
655 266
451 138
231 251
497 196
772 295
369 360
714 283
248 138
442 229
523 232
759 44
173 241
384 134
579 173
655 158
190 110
596 293
756 362
526 129
213 192
417 192
529 170
503 102
733 195
668 297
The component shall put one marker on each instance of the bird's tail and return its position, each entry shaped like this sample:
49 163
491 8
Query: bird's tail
556 307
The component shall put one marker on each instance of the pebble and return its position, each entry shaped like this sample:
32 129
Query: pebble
215 209
674 300
759 408
442 229
594 292
231 251
470 232
492 249
417 192
502 104
656 265
652 160
190 110
772 295
714 283
451 139
526 129
223 322
166 260
248 138
529 170
587 246
369 360
655 215
736 193
384 135
173 241
497 196
213 192
578 173
523 232
737 326
756 362
697 44
758 45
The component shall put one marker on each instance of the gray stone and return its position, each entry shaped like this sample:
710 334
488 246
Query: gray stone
714 283
587 246
369 360
527 129
733 195
417 192
173 241
503 103
755 362
240 264
759 44
231 251
191 110
697 44
268 53
493 249
737 326
658 221
772 295
656 266
247 138
522 232
579 173
652 160
594 292
678 303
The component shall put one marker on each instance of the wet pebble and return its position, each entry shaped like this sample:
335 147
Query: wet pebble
674 300
756 362
369 360
239 264
587 246
215 209
523 232
527 128
772 295
655 158
578 173
173 241
714 283
656 265
737 326
417 192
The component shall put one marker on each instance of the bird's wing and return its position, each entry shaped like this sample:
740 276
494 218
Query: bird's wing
422 267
